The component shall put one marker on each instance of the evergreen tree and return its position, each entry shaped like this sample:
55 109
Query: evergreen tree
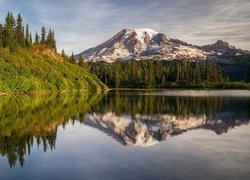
30 40
37 39
53 41
82 63
27 36
248 74
64 56
9 32
43 35
19 31
1 35
72 59
49 39
63 53
197 74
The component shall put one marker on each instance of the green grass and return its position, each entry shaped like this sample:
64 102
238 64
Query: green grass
27 70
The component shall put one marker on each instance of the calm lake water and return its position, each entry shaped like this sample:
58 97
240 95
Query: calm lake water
126 135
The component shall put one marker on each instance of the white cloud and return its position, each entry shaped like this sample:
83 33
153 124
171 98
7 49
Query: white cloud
82 24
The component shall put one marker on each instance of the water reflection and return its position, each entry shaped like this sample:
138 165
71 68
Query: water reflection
131 118
25 119
145 120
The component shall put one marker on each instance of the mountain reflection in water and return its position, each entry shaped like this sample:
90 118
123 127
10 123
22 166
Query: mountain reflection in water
131 118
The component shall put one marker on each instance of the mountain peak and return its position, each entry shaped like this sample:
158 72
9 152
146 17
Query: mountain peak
141 33
142 30
222 43
146 43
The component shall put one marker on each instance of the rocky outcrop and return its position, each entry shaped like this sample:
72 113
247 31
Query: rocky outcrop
223 48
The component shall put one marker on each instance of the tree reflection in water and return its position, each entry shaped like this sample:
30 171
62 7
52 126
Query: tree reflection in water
129 117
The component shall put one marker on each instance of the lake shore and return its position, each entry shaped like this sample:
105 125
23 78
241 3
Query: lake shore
41 92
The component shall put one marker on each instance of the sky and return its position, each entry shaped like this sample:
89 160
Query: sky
81 24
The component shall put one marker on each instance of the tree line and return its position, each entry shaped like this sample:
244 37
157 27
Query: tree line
14 34
154 74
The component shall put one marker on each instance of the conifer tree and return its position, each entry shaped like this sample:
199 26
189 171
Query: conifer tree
248 74
72 58
19 31
49 39
53 40
82 63
1 35
30 40
37 39
43 35
27 36
9 32
63 53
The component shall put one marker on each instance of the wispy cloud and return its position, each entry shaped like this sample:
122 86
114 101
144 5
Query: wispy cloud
82 24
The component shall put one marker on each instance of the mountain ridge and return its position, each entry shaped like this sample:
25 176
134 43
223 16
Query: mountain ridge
145 43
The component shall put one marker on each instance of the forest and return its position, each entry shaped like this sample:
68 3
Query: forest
164 74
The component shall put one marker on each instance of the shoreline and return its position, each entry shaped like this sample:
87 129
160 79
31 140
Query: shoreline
110 89
40 92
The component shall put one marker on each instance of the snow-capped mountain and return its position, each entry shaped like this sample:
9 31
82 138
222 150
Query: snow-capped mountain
144 131
148 44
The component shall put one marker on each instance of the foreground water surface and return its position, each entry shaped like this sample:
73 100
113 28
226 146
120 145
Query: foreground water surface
126 135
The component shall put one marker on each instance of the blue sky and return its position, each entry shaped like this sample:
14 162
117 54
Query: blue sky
81 24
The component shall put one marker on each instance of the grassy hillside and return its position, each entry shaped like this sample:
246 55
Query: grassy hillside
41 68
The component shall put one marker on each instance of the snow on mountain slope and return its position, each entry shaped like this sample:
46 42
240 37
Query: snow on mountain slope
148 44
145 130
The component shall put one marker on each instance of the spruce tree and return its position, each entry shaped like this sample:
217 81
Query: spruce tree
64 56
72 59
81 61
43 35
37 39
63 53
48 41
27 36
248 74
19 31
1 35
53 40
30 40
9 32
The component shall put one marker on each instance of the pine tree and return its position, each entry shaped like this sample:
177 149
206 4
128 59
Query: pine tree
82 63
19 31
37 39
27 36
197 73
63 53
72 59
64 56
1 35
9 32
30 40
248 74
49 40
53 41
43 35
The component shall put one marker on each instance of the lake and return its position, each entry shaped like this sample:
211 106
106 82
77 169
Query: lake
170 134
